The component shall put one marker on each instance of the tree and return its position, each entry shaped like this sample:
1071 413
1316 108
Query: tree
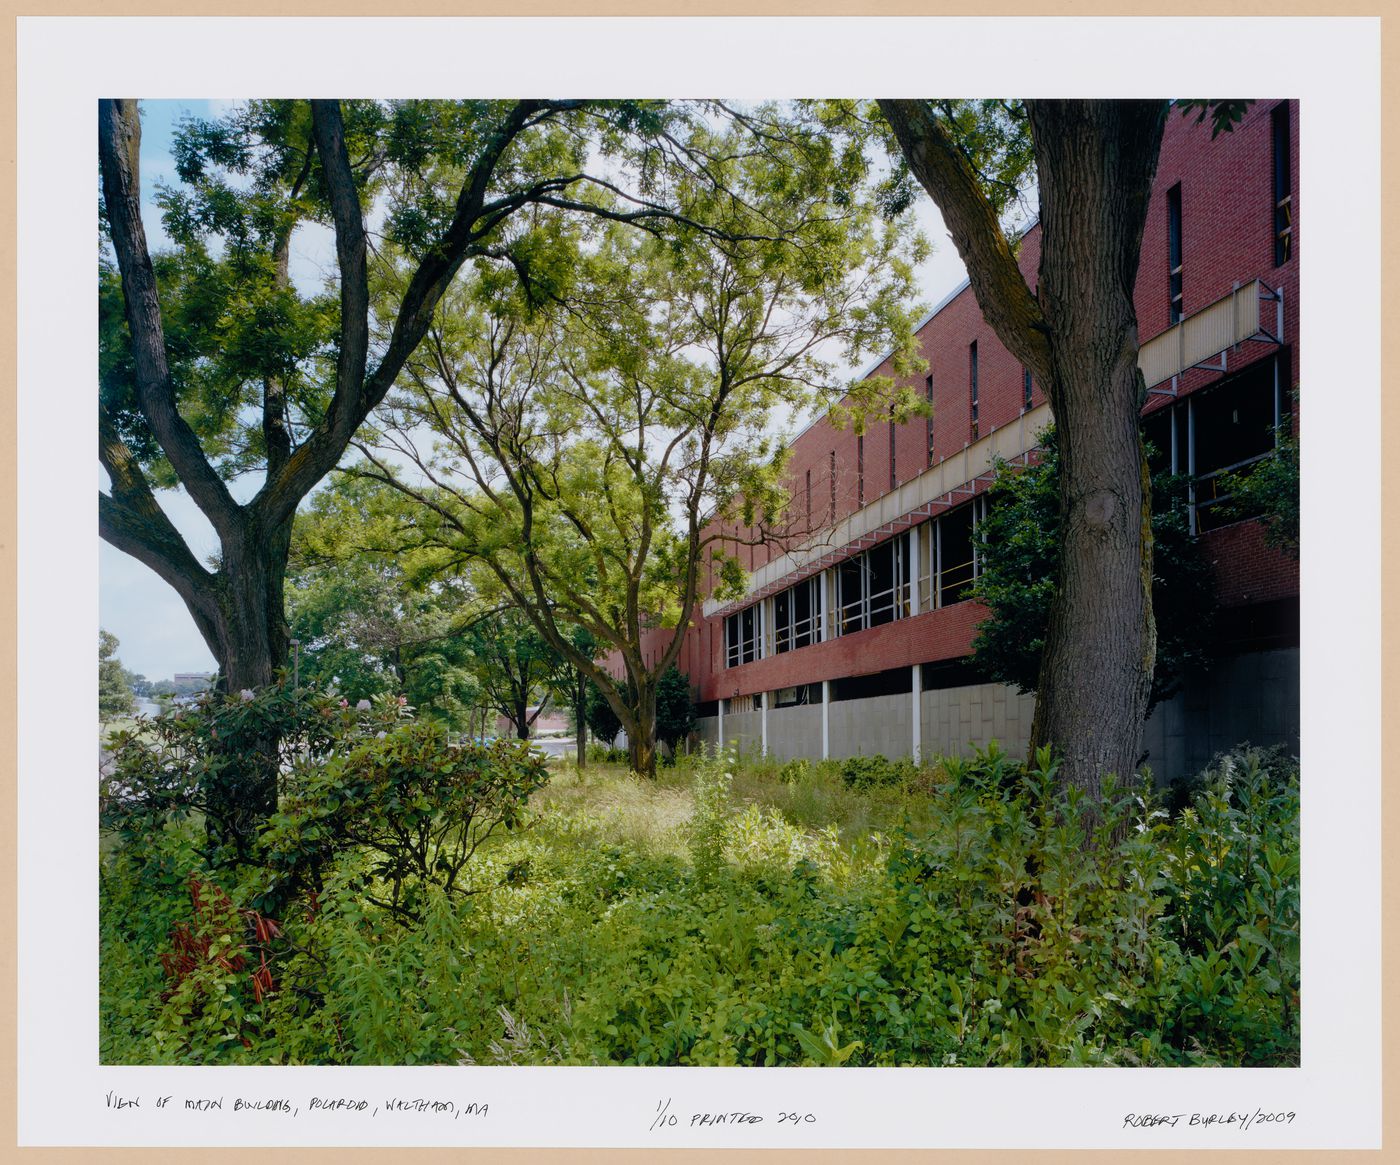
214 365
514 666
1094 162
571 689
1019 548
586 450
367 621
602 721
675 708
114 695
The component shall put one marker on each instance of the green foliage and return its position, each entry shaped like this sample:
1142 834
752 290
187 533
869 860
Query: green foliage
175 766
513 666
709 822
114 695
1019 547
602 720
675 708
864 772
369 617
1224 115
1007 925
795 772
1269 489
586 448
413 805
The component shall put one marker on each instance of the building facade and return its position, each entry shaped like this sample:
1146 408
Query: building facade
854 635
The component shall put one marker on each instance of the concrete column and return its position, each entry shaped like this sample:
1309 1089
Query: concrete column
763 724
826 719
721 724
917 717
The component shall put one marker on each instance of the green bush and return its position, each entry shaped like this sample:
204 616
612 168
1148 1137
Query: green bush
708 825
865 772
415 805
185 762
1009 926
795 772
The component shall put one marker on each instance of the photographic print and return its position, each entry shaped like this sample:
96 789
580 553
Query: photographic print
657 592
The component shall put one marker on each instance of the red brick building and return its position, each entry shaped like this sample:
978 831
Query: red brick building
855 632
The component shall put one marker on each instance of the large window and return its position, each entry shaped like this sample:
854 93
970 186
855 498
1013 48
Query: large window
1233 428
1226 429
797 615
874 588
742 634
955 566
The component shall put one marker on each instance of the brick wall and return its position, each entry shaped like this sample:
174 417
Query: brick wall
1227 239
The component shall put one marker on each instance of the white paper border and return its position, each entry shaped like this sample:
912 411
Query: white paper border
1332 65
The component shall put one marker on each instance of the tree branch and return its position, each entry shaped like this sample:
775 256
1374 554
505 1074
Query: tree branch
1006 301
118 149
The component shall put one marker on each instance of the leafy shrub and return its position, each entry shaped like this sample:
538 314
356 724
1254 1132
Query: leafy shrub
193 760
605 754
795 772
1010 926
415 804
710 788
864 772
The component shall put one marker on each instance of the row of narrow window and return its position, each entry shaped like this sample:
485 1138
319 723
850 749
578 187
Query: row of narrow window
1283 242
1281 204
933 566
1206 436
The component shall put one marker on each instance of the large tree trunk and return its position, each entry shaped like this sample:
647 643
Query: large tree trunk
1096 162
640 723
580 714
251 646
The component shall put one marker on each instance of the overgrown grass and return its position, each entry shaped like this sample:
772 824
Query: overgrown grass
969 913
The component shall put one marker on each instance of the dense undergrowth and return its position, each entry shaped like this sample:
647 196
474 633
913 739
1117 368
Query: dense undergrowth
969 913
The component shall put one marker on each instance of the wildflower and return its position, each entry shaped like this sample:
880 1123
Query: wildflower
246 695
403 700
344 703
362 706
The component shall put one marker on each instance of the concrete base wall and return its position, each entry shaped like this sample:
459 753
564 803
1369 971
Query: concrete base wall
880 724
1250 698
958 720
794 732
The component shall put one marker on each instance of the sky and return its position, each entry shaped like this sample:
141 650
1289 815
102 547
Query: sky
156 634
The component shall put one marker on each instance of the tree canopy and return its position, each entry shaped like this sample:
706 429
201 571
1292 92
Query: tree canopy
583 451
114 695
221 373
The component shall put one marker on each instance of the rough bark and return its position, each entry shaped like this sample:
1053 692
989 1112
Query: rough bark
1095 162
580 718
641 730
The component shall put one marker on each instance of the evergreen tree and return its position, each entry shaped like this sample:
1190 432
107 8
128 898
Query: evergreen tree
114 695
